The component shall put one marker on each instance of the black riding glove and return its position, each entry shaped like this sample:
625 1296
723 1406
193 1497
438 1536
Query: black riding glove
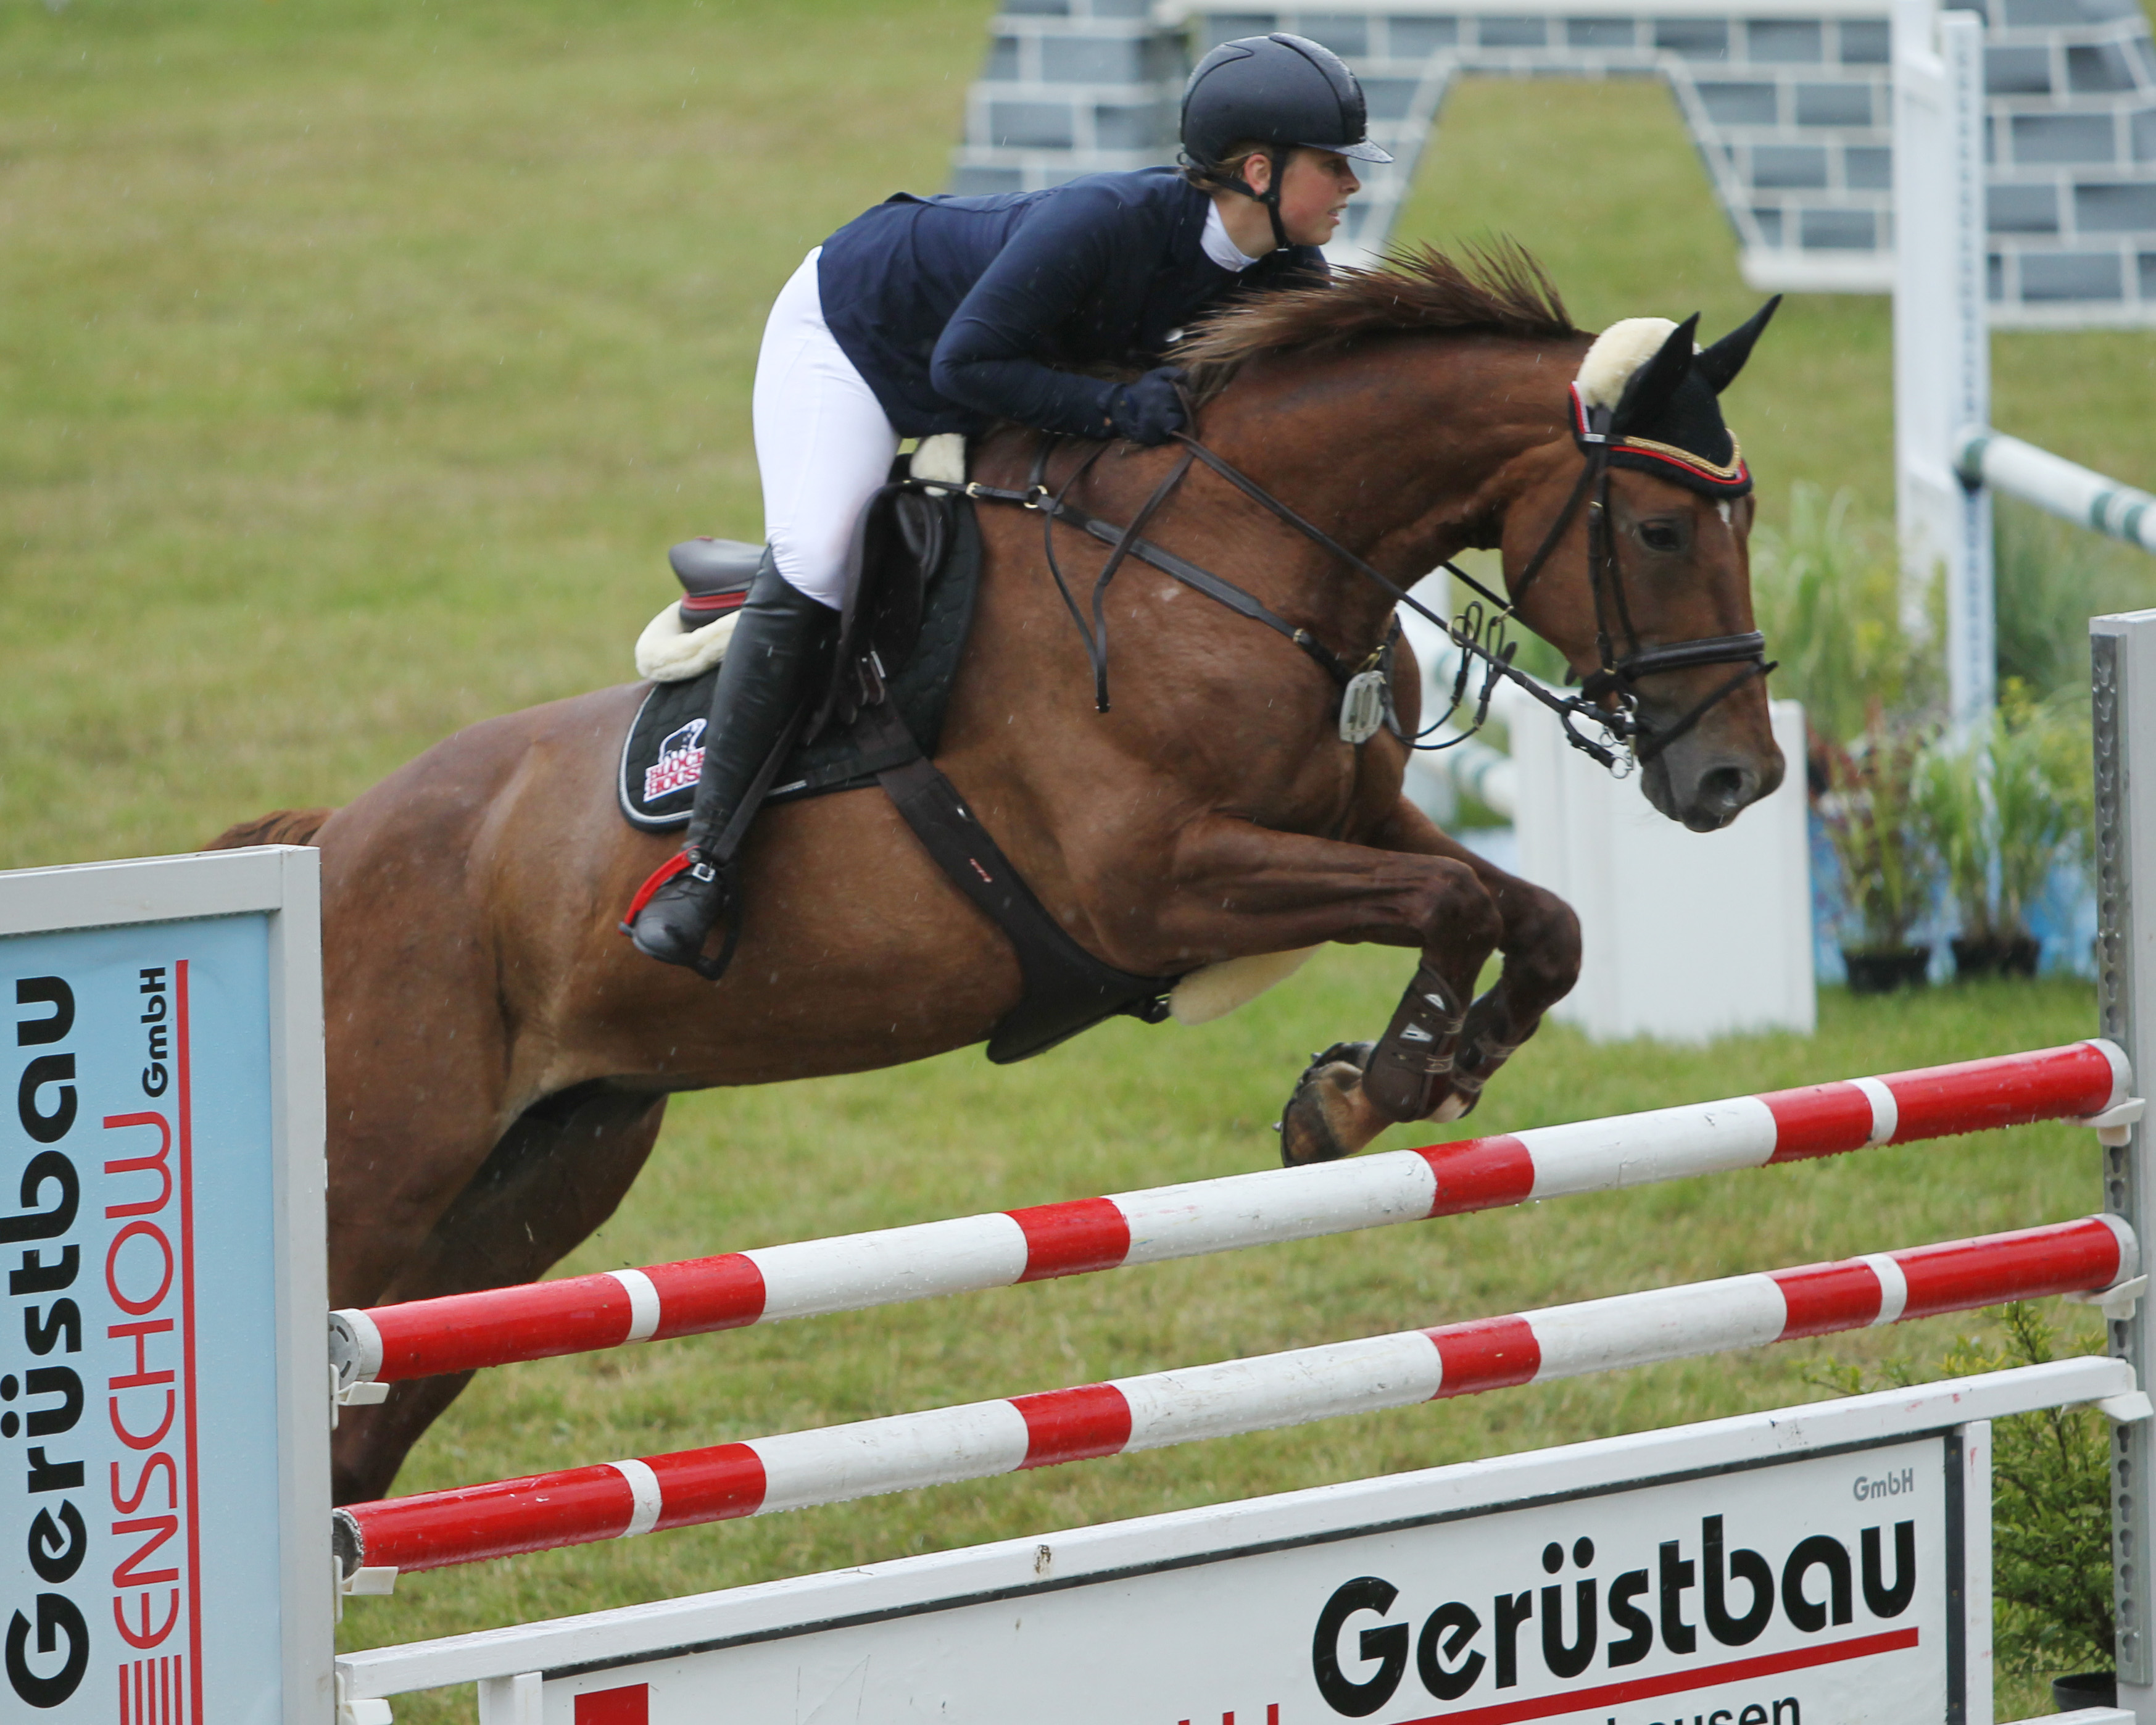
1147 411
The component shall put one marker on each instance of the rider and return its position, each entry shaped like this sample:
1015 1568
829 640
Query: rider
950 314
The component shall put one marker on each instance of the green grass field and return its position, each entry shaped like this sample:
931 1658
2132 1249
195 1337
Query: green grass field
357 362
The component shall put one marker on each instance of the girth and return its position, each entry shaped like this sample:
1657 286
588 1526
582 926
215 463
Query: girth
1064 988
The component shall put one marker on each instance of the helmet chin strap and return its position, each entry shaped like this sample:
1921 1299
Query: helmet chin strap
1269 198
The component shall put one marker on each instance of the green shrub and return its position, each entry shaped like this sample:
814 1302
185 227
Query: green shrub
1953 805
1825 590
2002 810
2050 1506
2043 790
2049 578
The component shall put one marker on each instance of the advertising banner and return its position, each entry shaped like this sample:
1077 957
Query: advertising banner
142 1546
1824 1590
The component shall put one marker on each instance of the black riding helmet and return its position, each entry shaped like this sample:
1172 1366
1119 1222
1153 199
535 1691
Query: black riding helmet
1281 91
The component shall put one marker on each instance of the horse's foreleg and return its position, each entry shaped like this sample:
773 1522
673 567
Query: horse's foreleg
1244 888
1540 948
557 1174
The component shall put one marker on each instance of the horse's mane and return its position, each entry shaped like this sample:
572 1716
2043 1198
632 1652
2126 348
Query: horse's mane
1498 289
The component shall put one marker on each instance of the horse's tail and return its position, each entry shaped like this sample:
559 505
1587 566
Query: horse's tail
284 826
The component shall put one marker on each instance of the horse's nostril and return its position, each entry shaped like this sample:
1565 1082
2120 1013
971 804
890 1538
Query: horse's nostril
1725 789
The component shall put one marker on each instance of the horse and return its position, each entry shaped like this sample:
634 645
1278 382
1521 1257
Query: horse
499 1058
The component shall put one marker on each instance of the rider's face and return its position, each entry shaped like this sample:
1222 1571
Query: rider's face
1313 192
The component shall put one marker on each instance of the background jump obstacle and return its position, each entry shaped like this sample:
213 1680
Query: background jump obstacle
580 1314
1789 101
1949 272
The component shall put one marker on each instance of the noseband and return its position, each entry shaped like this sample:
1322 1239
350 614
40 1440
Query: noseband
1609 699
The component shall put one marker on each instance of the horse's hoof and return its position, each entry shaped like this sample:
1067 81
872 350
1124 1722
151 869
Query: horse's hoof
1353 1053
1318 1121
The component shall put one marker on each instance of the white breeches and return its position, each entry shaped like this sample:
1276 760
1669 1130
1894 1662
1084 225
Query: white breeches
823 444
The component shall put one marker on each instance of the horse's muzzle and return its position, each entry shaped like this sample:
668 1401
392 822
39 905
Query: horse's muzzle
1706 785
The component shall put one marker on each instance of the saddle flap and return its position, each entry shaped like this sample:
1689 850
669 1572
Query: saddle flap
902 540
920 526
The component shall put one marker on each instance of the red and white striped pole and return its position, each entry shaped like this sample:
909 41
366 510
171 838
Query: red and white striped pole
619 1499
586 1313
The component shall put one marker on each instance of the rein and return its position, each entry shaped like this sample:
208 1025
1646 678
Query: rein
1125 542
1609 699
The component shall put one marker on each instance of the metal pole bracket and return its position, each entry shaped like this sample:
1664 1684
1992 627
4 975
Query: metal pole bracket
2111 1125
360 1713
2117 1303
2130 1408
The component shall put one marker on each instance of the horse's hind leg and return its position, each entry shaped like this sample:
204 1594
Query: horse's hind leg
556 1175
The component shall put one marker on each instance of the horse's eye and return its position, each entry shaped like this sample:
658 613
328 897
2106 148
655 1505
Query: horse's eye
1661 536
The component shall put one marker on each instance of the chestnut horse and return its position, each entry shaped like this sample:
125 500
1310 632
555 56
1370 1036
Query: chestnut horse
499 1057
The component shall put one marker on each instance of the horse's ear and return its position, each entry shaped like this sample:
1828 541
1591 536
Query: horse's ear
1720 364
1653 384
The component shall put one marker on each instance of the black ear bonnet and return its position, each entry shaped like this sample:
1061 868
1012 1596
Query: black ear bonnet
1668 422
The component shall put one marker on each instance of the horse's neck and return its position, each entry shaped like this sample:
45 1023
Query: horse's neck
1401 452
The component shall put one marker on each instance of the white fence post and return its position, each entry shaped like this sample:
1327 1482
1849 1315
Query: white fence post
1942 338
1686 935
2122 670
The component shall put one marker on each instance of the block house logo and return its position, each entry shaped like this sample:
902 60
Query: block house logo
97 1438
1695 1599
680 765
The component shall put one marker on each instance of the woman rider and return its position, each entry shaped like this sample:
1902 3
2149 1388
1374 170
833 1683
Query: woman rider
950 314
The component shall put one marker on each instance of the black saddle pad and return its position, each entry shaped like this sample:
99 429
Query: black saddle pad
664 753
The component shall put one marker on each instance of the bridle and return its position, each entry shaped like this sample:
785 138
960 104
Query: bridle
1619 677
1609 699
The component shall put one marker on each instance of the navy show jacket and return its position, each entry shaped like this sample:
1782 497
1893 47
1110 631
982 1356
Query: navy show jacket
962 312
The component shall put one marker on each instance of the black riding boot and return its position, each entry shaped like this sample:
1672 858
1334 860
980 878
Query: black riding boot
758 688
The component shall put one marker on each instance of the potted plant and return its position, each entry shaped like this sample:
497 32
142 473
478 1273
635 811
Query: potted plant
1888 868
2001 811
1952 797
2084 1689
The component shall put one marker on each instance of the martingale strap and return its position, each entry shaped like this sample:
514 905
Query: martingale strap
1123 549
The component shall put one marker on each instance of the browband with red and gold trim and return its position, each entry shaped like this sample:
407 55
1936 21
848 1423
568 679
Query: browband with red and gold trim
1703 475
